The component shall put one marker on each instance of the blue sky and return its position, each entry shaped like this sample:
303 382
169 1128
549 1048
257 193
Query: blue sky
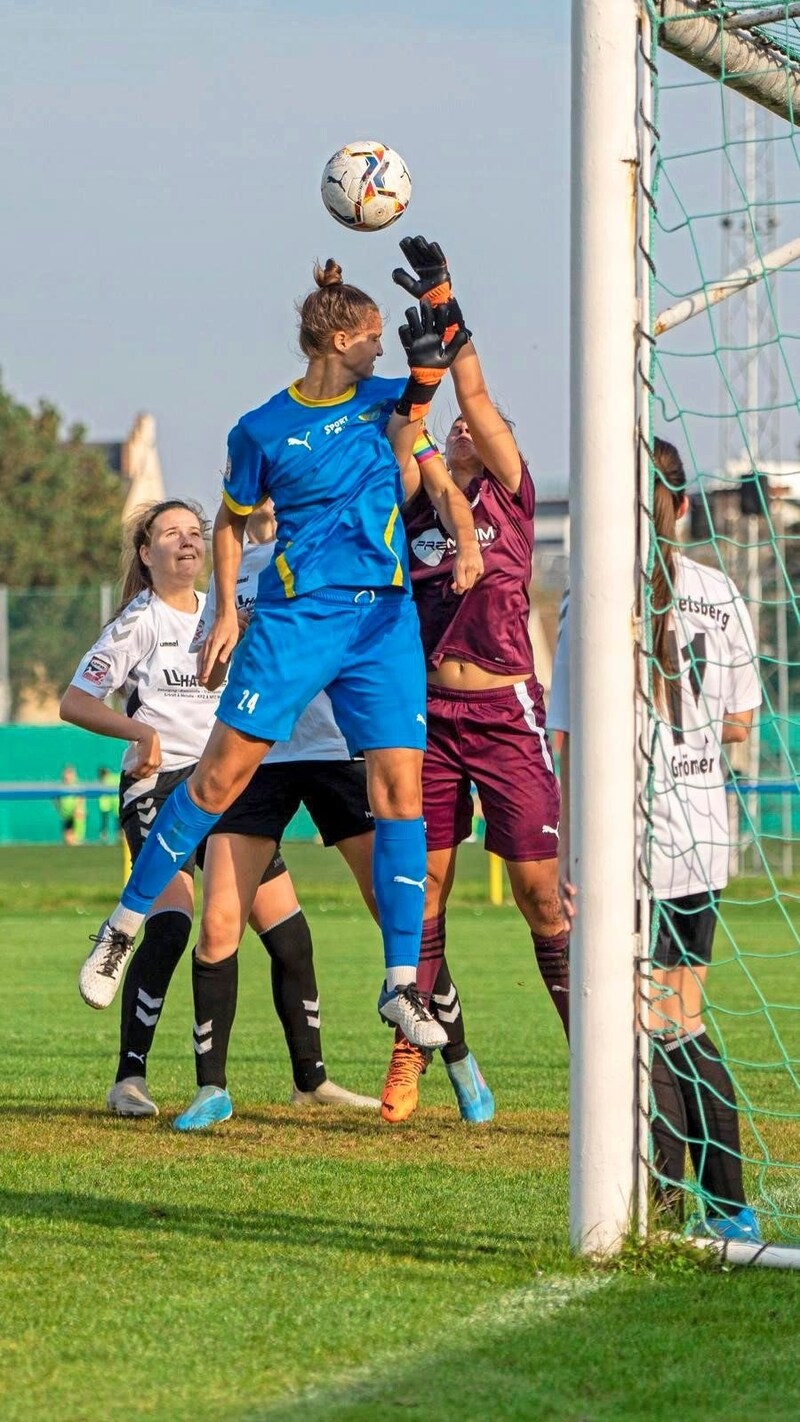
161 164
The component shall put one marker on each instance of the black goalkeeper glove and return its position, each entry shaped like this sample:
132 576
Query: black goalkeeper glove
430 352
432 282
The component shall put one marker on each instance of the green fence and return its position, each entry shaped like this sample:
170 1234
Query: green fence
34 754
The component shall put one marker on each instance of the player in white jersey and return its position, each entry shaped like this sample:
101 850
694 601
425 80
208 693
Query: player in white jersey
145 654
705 691
313 768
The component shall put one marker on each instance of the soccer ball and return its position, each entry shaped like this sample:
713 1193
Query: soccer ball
366 186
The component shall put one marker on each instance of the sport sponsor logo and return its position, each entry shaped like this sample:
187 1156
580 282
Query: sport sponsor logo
176 678
336 426
96 669
434 544
373 414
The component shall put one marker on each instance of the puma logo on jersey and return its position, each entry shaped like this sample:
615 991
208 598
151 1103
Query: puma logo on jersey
302 443
421 719
415 883
548 829
174 856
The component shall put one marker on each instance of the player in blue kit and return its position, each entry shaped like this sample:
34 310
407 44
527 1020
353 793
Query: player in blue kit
333 612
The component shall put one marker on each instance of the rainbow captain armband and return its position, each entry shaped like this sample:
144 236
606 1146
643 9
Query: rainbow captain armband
424 447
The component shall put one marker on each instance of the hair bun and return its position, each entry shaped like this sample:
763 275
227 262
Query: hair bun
329 275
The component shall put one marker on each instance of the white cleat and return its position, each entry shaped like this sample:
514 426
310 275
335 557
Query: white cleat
329 1094
131 1098
102 971
404 1008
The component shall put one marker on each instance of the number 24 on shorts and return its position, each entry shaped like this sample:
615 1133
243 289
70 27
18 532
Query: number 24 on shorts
247 702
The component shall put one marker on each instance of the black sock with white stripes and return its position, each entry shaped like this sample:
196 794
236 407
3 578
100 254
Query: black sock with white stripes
146 981
713 1121
446 1006
296 996
215 987
669 1131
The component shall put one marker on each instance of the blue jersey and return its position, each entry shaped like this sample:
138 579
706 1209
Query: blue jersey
335 483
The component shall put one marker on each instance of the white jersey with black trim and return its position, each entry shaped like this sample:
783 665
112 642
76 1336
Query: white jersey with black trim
144 654
714 647
316 735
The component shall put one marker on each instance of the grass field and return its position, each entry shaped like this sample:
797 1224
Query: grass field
326 1266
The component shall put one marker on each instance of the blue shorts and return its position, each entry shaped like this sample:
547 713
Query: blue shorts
362 647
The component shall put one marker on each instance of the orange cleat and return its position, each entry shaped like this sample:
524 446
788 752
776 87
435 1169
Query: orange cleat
400 1093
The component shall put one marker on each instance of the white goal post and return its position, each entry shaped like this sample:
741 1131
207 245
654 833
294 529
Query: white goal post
604 317
612 328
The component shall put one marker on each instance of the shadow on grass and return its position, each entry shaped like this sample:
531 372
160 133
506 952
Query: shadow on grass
431 1123
267 1227
587 1350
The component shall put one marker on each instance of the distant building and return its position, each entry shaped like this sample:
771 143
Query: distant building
136 461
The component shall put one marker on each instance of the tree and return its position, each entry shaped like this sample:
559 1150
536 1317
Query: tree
59 541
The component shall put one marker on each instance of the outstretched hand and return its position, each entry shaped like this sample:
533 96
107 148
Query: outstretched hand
423 338
432 281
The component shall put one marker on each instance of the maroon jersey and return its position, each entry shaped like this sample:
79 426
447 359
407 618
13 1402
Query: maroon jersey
488 625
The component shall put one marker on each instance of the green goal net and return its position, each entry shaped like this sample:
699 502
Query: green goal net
720 381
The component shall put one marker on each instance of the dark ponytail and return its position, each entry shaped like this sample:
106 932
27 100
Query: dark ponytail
668 492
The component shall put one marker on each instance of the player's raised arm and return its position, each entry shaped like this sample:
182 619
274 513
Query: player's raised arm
431 347
432 285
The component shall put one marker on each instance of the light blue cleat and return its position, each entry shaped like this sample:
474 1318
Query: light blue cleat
210 1105
475 1100
742 1227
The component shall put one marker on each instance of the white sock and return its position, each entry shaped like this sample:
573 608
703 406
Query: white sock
400 977
126 920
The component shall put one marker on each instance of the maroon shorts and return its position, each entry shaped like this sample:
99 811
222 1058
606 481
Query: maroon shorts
496 740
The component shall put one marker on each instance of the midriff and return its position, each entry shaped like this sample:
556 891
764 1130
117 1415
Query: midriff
456 675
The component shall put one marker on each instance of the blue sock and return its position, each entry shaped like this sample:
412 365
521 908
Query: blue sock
177 829
398 876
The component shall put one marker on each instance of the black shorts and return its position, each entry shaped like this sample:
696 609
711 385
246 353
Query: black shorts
685 930
138 815
333 791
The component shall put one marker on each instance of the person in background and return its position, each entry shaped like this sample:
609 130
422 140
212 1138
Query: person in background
72 809
107 806
146 654
313 768
705 689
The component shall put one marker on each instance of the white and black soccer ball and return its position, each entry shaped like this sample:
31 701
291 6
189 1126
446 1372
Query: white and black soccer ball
366 186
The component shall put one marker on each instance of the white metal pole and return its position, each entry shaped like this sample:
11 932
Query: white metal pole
602 569
643 671
743 278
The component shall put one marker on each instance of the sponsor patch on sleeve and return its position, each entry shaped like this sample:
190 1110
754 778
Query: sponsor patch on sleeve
96 669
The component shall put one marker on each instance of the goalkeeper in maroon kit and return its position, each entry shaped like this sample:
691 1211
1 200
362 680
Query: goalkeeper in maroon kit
485 707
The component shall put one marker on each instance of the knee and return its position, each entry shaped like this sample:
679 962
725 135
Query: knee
435 896
395 800
210 790
541 908
394 785
214 785
219 935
